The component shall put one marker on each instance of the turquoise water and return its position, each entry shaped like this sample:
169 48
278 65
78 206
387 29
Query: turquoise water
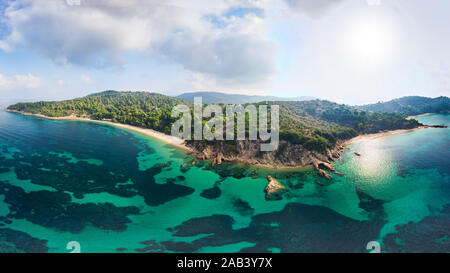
114 190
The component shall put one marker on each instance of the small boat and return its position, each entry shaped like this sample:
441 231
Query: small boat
357 154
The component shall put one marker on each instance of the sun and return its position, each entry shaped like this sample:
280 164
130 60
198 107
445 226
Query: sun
369 40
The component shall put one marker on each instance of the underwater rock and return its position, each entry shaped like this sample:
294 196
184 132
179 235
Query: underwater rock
184 167
211 193
162 165
18 241
320 183
357 154
274 189
324 174
368 203
243 207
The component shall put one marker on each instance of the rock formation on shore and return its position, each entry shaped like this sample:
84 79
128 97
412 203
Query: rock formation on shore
435 126
274 189
248 152
326 165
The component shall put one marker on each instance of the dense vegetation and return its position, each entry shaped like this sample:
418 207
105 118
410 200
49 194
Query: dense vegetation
143 109
412 105
318 124
315 124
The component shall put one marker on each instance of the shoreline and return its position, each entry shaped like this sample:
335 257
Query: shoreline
180 143
381 134
171 140
418 116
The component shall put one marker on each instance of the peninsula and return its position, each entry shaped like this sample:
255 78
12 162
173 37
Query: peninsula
312 133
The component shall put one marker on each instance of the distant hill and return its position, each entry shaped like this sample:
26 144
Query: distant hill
217 97
412 105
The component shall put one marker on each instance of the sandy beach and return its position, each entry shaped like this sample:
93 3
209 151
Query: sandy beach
418 116
177 142
388 133
381 134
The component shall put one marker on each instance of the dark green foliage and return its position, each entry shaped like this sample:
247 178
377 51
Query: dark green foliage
318 124
314 124
412 105
143 109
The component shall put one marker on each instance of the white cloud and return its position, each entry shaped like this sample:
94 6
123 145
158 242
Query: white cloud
15 82
99 33
86 79
313 8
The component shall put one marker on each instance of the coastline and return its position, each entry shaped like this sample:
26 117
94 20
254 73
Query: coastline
418 116
381 134
180 143
171 140
388 133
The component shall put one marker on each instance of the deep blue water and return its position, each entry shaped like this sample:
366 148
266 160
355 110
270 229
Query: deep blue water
113 190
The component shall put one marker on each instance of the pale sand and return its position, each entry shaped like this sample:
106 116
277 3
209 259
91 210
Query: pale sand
174 141
382 134
418 116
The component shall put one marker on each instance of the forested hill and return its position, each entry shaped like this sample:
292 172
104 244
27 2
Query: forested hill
218 97
412 105
143 109
316 124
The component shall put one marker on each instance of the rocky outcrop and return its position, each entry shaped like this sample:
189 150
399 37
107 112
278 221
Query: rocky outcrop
324 174
218 159
325 165
435 126
184 167
287 154
246 151
336 152
274 189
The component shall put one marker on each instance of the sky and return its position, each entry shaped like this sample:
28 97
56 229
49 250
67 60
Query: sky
348 51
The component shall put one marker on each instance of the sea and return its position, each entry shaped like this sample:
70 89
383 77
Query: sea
79 186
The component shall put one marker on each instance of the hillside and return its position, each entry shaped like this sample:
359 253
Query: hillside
142 109
308 129
217 97
412 105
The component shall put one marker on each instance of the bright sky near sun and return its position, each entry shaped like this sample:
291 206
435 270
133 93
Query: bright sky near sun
349 51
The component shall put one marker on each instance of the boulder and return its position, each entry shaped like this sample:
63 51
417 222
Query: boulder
324 174
274 189
162 165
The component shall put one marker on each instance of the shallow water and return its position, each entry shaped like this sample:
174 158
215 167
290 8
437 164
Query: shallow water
113 190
